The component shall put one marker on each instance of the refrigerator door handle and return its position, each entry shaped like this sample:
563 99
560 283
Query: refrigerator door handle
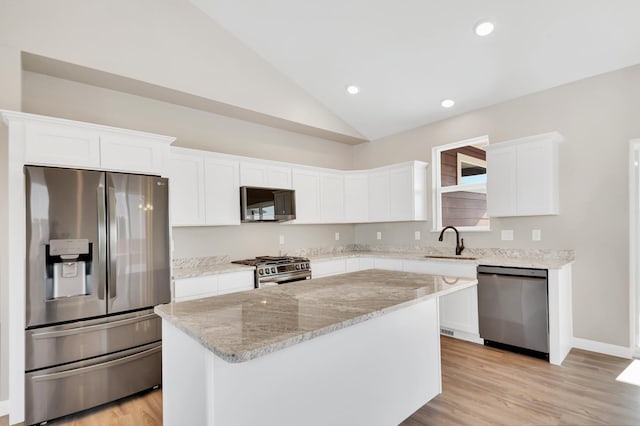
102 243
112 230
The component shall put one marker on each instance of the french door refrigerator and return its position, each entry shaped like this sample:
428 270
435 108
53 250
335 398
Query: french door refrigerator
97 264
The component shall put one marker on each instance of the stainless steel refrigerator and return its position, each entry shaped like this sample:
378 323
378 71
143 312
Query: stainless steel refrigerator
97 263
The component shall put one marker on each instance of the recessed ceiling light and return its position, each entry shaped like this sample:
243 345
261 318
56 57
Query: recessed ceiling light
353 90
447 103
484 28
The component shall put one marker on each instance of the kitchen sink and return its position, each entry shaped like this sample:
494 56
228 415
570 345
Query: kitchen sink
437 256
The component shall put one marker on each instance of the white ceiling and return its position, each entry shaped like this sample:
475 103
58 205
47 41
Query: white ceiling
408 55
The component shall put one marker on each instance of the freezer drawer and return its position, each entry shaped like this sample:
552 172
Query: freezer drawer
60 391
76 341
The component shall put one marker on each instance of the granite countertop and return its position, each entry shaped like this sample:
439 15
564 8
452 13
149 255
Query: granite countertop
202 270
242 326
481 258
522 258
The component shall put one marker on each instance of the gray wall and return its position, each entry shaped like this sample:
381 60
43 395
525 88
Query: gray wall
598 118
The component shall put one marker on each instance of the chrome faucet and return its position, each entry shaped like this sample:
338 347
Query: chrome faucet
459 241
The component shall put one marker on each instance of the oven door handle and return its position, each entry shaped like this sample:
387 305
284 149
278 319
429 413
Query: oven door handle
289 277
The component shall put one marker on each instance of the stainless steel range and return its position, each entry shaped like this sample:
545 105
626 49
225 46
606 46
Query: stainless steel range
271 270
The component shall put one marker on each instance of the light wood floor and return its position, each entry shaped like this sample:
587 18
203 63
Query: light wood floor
481 385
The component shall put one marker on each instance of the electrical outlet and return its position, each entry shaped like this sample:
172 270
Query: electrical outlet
507 235
416 235
281 239
536 235
337 236
378 235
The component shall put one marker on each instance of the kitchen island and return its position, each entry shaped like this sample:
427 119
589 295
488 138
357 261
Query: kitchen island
357 348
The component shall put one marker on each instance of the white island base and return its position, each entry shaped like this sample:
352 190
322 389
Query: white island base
376 372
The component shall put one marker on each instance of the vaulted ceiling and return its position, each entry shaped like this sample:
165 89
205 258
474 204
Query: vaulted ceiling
407 56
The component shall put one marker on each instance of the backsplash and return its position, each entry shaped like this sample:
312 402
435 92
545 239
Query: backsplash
198 262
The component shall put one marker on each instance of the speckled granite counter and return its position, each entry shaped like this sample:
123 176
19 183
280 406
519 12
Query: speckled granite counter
551 259
243 326
202 270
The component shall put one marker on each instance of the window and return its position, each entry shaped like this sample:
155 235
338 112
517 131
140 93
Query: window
460 185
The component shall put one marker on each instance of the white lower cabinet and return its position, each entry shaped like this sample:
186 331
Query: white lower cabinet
386 263
195 288
212 285
355 264
326 268
232 282
459 310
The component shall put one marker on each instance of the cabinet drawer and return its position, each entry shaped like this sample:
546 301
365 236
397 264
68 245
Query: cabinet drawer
194 288
236 281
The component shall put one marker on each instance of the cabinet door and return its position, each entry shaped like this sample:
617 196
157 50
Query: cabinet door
331 197
59 145
265 175
356 197
459 311
232 282
401 196
222 192
389 264
326 268
307 186
131 154
195 288
279 177
186 189
501 181
379 196
537 179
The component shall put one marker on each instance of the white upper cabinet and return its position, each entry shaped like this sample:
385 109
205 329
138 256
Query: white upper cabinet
398 192
131 153
332 197
306 183
52 141
522 176
222 193
356 197
319 195
204 188
265 174
186 187
61 145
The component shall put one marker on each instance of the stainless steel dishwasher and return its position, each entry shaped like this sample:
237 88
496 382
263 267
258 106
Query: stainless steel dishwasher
513 308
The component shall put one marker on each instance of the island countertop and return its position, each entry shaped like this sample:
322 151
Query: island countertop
242 326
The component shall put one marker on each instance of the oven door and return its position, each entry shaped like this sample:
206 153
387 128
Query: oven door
284 279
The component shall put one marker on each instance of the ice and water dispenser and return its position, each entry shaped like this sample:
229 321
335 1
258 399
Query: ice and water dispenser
68 264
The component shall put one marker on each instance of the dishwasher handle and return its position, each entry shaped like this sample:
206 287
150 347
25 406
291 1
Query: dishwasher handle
513 271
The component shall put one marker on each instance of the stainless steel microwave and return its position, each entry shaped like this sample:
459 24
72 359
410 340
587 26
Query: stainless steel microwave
267 204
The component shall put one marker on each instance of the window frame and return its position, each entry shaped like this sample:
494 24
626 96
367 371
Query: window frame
436 185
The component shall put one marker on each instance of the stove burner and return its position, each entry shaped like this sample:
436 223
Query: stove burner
274 270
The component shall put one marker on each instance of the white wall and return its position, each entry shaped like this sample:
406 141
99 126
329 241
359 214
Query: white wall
598 117
170 43
42 94
10 83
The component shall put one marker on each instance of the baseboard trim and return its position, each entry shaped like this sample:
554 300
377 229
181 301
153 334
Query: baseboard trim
4 408
462 335
603 348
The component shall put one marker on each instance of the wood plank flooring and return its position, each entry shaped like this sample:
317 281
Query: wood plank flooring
481 386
